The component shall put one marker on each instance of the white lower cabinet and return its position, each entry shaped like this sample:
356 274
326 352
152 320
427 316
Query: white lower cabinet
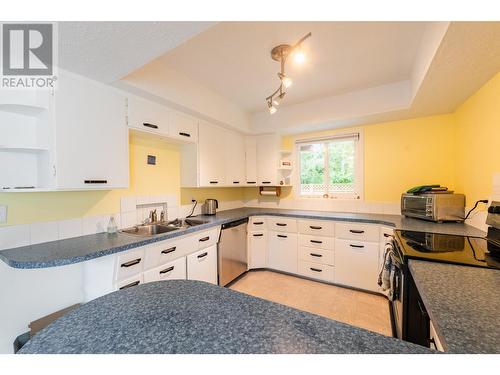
202 265
356 264
174 270
282 251
310 254
130 282
316 270
257 246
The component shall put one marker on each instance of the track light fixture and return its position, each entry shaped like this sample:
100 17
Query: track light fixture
280 53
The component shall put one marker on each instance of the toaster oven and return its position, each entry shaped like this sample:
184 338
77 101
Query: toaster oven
436 207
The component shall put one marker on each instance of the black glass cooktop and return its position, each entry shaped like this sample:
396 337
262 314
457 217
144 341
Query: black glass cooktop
473 251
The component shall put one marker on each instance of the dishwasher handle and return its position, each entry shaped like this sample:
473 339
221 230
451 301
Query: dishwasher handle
234 223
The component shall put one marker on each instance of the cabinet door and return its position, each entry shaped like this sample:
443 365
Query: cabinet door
148 116
251 161
267 160
211 156
235 159
202 265
183 127
356 264
257 249
91 135
282 251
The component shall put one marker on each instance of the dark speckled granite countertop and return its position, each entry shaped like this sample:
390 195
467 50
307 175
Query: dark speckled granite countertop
463 303
182 316
79 249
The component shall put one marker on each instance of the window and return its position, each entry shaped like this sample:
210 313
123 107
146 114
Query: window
330 167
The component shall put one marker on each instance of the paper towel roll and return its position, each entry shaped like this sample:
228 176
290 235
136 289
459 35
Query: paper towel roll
269 192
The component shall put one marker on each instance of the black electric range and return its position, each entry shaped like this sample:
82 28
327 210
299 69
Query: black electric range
470 251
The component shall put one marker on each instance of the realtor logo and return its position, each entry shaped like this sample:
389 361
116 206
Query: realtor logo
27 55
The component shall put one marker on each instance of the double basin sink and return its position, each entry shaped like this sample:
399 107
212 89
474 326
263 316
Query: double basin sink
153 229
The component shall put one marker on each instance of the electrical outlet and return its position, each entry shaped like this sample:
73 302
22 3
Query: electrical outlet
3 214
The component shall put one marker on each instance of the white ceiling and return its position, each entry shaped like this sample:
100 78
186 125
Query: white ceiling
233 58
107 51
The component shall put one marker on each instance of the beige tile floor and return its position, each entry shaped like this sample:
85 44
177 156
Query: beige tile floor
360 309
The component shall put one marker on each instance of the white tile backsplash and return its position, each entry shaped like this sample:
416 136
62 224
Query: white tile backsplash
14 236
128 204
129 219
44 232
70 228
95 224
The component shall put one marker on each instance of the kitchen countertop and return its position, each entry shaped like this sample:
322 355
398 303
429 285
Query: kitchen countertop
79 249
463 304
181 316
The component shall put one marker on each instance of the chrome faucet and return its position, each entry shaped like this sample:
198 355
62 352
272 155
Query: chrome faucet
153 218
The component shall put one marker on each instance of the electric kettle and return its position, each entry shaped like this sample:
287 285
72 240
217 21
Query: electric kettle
210 207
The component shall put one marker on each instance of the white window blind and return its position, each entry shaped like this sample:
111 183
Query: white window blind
329 166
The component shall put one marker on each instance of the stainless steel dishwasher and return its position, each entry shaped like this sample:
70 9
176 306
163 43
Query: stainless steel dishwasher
232 254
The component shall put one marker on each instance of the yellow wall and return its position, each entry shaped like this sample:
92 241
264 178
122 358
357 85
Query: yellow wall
477 151
398 155
164 178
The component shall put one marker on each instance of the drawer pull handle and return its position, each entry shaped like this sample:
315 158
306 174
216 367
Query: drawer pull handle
282 236
387 235
258 235
95 181
316 241
203 255
131 263
214 182
266 182
185 134
357 246
167 270
204 239
315 227
148 125
281 224
135 283
315 269
356 231
168 251
316 255
251 182
258 223
236 182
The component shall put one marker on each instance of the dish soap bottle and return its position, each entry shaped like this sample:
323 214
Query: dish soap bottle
112 228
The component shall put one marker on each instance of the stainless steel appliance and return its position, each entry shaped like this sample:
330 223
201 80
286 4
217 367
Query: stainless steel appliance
232 255
437 207
210 207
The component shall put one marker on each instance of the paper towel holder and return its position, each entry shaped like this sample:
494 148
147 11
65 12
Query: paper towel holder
274 191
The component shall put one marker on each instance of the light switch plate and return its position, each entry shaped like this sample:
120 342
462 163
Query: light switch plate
3 214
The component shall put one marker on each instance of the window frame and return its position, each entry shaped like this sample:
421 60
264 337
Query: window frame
358 193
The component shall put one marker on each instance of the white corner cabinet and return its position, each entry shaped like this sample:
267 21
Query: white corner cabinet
342 253
73 137
191 257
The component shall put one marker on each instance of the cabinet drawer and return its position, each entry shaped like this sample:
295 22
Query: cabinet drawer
207 238
317 227
356 264
202 265
257 223
169 271
316 271
361 232
130 282
129 263
183 127
165 251
282 224
316 255
316 241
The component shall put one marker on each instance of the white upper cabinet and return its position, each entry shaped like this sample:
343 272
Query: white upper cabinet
211 155
235 159
148 116
91 135
267 160
251 160
183 127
